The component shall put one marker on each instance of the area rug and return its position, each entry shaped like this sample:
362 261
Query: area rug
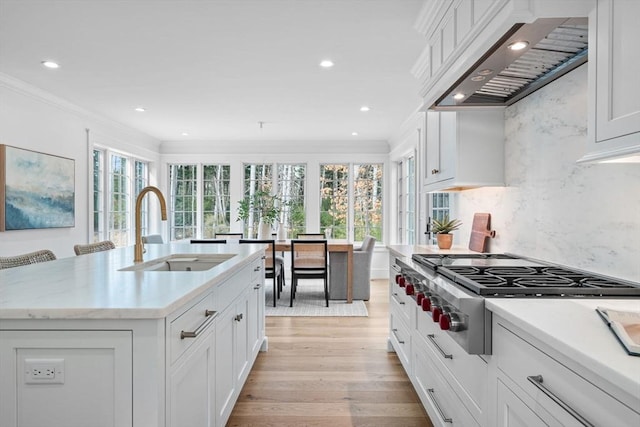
309 301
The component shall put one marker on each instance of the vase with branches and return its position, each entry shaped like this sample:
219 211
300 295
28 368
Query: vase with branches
261 207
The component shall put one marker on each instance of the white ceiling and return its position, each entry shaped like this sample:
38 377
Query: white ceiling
215 68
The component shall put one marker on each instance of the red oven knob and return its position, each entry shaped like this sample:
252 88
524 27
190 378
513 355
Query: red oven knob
409 289
398 276
445 322
401 281
436 311
426 304
419 298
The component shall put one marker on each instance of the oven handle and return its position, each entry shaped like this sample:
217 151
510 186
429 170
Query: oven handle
432 338
536 380
432 395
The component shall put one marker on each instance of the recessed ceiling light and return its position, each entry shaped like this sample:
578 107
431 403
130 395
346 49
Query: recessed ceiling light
185 134
458 95
354 133
50 64
327 63
140 109
485 72
519 45
364 108
477 78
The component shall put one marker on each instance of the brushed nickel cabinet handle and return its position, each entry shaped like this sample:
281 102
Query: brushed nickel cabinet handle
210 315
395 333
434 171
239 317
536 380
432 338
397 300
256 287
432 395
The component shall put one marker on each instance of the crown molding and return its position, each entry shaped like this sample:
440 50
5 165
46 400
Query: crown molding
274 146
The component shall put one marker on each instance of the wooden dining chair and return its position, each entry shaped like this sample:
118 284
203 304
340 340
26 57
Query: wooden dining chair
273 266
309 260
26 259
105 245
229 236
310 236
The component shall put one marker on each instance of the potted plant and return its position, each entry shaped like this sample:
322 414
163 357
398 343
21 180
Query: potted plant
443 228
267 206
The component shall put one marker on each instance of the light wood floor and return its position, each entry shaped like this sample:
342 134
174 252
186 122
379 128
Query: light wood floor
330 371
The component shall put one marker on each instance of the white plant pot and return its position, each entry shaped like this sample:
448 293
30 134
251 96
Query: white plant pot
264 230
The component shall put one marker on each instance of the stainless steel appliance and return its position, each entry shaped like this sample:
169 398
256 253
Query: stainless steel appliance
452 289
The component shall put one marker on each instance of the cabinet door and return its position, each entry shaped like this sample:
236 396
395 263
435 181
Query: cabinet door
242 345
192 385
432 151
255 317
225 376
512 412
617 100
441 146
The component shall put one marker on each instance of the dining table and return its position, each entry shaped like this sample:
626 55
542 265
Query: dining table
333 245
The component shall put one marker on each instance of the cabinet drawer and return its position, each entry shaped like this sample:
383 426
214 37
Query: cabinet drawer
443 405
228 290
401 339
561 391
257 270
466 373
402 302
198 319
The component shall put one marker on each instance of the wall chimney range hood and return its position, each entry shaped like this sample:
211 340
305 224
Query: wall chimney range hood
549 48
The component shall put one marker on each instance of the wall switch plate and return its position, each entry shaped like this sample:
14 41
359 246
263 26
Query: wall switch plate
44 371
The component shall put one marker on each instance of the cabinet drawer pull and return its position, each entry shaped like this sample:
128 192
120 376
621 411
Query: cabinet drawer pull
432 338
238 317
397 300
395 268
434 171
256 287
396 335
536 380
432 396
210 315
257 268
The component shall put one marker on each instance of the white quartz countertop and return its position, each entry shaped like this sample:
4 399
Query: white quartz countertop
91 287
408 250
573 328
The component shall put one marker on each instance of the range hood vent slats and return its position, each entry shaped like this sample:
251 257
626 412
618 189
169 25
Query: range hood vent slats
557 45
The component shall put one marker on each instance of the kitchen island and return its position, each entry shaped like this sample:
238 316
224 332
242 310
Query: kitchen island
553 361
86 343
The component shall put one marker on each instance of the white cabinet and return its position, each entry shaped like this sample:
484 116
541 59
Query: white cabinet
191 378
463 150
91 381
529 379
614 65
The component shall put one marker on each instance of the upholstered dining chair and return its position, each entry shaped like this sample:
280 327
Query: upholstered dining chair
152 239
214 241
229 236
309 260
26 259
105 245
361 278
273 266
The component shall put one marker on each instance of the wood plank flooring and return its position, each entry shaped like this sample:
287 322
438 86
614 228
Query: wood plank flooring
330 371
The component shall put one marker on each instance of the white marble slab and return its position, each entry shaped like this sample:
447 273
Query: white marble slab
91 287
574 329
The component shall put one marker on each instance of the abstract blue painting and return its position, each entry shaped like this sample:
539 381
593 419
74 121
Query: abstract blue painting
38 190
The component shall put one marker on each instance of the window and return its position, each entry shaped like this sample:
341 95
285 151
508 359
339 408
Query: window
117 179
291 185
407 201
141 180
440 208
351 200
257 177
183 201
216 200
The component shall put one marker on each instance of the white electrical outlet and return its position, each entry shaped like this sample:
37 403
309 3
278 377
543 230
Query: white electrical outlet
44 371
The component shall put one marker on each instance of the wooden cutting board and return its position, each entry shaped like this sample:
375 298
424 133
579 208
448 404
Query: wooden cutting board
480 232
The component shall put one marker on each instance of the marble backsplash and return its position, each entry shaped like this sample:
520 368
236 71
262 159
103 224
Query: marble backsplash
582 215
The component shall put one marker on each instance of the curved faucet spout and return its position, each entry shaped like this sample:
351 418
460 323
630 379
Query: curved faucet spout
163 212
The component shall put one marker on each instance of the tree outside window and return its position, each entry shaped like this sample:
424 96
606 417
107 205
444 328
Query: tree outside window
257 178
216 200
120 206
291 187
183 201
367 197
334 202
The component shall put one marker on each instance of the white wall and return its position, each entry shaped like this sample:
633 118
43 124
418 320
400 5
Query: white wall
582 215
34 120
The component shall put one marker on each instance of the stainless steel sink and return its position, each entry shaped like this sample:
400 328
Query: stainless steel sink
181 262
